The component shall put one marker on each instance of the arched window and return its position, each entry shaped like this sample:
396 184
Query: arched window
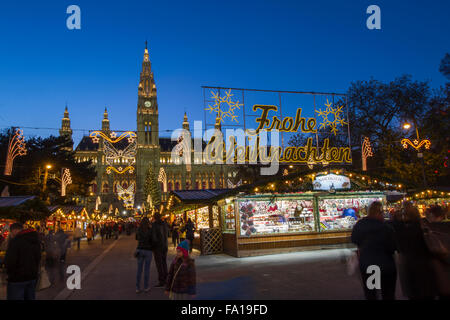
177 185
170 186
105 188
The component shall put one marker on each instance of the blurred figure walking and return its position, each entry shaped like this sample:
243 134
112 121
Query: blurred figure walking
376 246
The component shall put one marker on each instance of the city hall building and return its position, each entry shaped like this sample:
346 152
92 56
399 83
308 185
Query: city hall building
122 163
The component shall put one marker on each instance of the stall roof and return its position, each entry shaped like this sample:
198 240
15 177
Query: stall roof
66 209
199 195
14 201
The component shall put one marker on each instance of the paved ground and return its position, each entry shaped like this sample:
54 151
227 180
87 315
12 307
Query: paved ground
109 271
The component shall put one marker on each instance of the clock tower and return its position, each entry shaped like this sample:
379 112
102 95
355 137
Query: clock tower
148 149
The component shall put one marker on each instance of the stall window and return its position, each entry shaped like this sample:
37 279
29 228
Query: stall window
342 214
279 216
202 218
228 217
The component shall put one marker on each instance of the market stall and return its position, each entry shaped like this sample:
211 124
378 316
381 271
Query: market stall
269 217
68 218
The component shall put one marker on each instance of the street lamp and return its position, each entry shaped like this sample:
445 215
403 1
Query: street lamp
47 167
417 144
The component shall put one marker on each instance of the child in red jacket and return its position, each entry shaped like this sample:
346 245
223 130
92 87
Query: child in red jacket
181 281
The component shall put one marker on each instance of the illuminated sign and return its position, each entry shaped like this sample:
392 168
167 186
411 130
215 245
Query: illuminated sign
331 182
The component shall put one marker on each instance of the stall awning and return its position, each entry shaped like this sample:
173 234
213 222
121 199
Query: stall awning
199 195
14 201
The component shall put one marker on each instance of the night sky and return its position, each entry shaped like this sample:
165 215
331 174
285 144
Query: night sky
282 45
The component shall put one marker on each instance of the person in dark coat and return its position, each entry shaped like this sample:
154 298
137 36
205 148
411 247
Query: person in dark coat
190 230
144 254
175 233
181 280
440 263
416 274
376 246
160 247
22 263
63 241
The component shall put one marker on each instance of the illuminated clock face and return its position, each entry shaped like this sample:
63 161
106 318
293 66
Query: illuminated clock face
148 104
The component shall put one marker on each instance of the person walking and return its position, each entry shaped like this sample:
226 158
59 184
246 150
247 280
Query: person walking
436 230
414 258
181 280
116 230
102 232
175 233
190 231
22 261
77 235
63 241
89 233
160 248
143 254
376 247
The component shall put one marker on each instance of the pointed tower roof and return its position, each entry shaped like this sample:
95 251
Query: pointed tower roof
105 121
147 87
65 125
185 122
217 125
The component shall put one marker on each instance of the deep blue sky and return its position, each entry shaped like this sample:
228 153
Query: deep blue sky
288 45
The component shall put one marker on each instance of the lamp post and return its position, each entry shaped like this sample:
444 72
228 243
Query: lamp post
47 167
417 144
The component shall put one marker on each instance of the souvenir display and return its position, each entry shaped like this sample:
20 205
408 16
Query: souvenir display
229 218
202 218
280 216
343 213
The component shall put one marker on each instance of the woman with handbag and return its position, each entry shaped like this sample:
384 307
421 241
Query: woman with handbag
143 254
181 281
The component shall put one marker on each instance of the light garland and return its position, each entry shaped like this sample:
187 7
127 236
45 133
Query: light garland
128 134
66 179
416 144
16 148
162 177
366 152
119 170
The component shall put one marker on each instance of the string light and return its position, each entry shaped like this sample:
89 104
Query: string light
416 144
366 152
16 148
66 179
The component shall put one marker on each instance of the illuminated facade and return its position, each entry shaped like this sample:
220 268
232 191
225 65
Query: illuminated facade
120 165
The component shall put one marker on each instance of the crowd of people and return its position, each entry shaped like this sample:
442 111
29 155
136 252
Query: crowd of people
414 249
32 251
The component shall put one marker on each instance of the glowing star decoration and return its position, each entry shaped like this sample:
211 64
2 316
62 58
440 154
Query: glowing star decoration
66 179
126 195
366 152
337 113
220 103
16 148
128 134
416 144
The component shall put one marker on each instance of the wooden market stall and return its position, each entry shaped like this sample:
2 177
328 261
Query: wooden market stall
255 220
68 217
